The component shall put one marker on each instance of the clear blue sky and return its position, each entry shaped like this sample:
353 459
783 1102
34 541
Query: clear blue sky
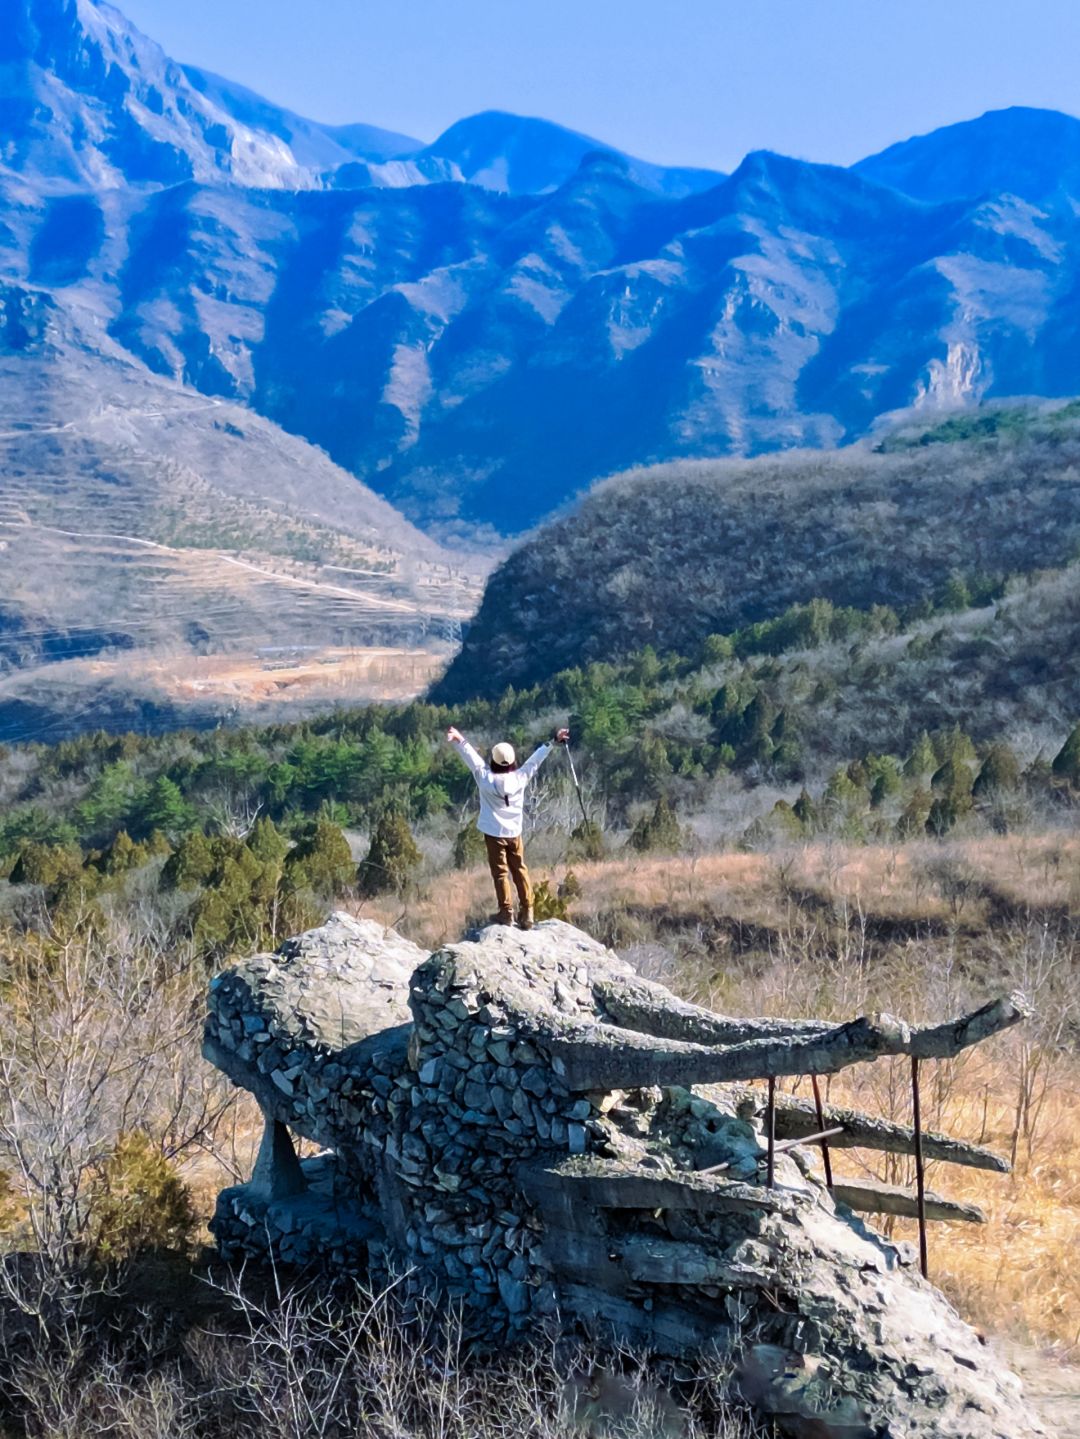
696 82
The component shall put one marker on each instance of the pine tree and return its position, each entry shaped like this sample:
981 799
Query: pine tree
658 830
645 668
883 772
124 855
468 847
728 707
842 793
653 761
922 759
322 862
785 822
549 903
266 842
805 810
944 813
757 724
190 865
47 864
953 778
716 649
1000 771
587 841
913 820
230 911
954 745
1066 765
140 1203
110 802
166 809
391 858
956 595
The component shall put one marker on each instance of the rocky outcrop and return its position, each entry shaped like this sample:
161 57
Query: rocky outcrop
536 1134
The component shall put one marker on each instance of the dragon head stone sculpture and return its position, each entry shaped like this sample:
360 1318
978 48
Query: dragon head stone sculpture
540 1135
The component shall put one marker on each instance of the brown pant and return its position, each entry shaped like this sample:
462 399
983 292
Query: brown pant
506 860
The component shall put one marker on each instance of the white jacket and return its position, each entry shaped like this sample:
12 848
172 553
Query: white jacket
502 796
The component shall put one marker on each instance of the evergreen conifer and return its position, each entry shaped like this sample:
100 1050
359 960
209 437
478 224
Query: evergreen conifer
392 857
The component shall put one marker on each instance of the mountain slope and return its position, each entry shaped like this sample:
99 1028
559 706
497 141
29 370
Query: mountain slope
667 556
1033 154
321 147
526 345
88 99
159 550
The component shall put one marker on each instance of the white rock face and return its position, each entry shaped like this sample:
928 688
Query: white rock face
106 107
460 1144
953 381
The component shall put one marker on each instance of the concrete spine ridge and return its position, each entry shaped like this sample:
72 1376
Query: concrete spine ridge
540 1135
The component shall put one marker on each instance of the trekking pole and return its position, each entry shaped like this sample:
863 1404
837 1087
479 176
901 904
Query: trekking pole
573 776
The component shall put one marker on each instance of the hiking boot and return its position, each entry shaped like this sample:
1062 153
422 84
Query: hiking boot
504 916
525 918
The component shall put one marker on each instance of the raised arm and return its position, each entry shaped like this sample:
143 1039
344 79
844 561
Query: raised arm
538 756
468 754
533 763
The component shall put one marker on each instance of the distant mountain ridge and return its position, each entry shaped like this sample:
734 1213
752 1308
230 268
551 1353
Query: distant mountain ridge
519 155
480 327
89 98
1033 154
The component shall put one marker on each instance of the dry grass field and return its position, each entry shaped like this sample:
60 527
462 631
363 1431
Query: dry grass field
115 1105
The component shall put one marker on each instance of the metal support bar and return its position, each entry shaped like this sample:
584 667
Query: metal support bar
772 1131
920 1168
825 1157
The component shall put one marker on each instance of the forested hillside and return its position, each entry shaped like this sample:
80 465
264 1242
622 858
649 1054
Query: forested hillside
929 518
821 721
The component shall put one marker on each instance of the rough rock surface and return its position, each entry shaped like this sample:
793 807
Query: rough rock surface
461 1142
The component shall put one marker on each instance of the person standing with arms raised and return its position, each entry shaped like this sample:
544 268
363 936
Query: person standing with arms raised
502 784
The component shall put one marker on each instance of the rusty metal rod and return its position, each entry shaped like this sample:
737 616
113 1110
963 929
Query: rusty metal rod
920 1168
772 1131
825 1156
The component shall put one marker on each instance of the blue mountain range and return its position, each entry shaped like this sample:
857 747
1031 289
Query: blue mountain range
480 326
